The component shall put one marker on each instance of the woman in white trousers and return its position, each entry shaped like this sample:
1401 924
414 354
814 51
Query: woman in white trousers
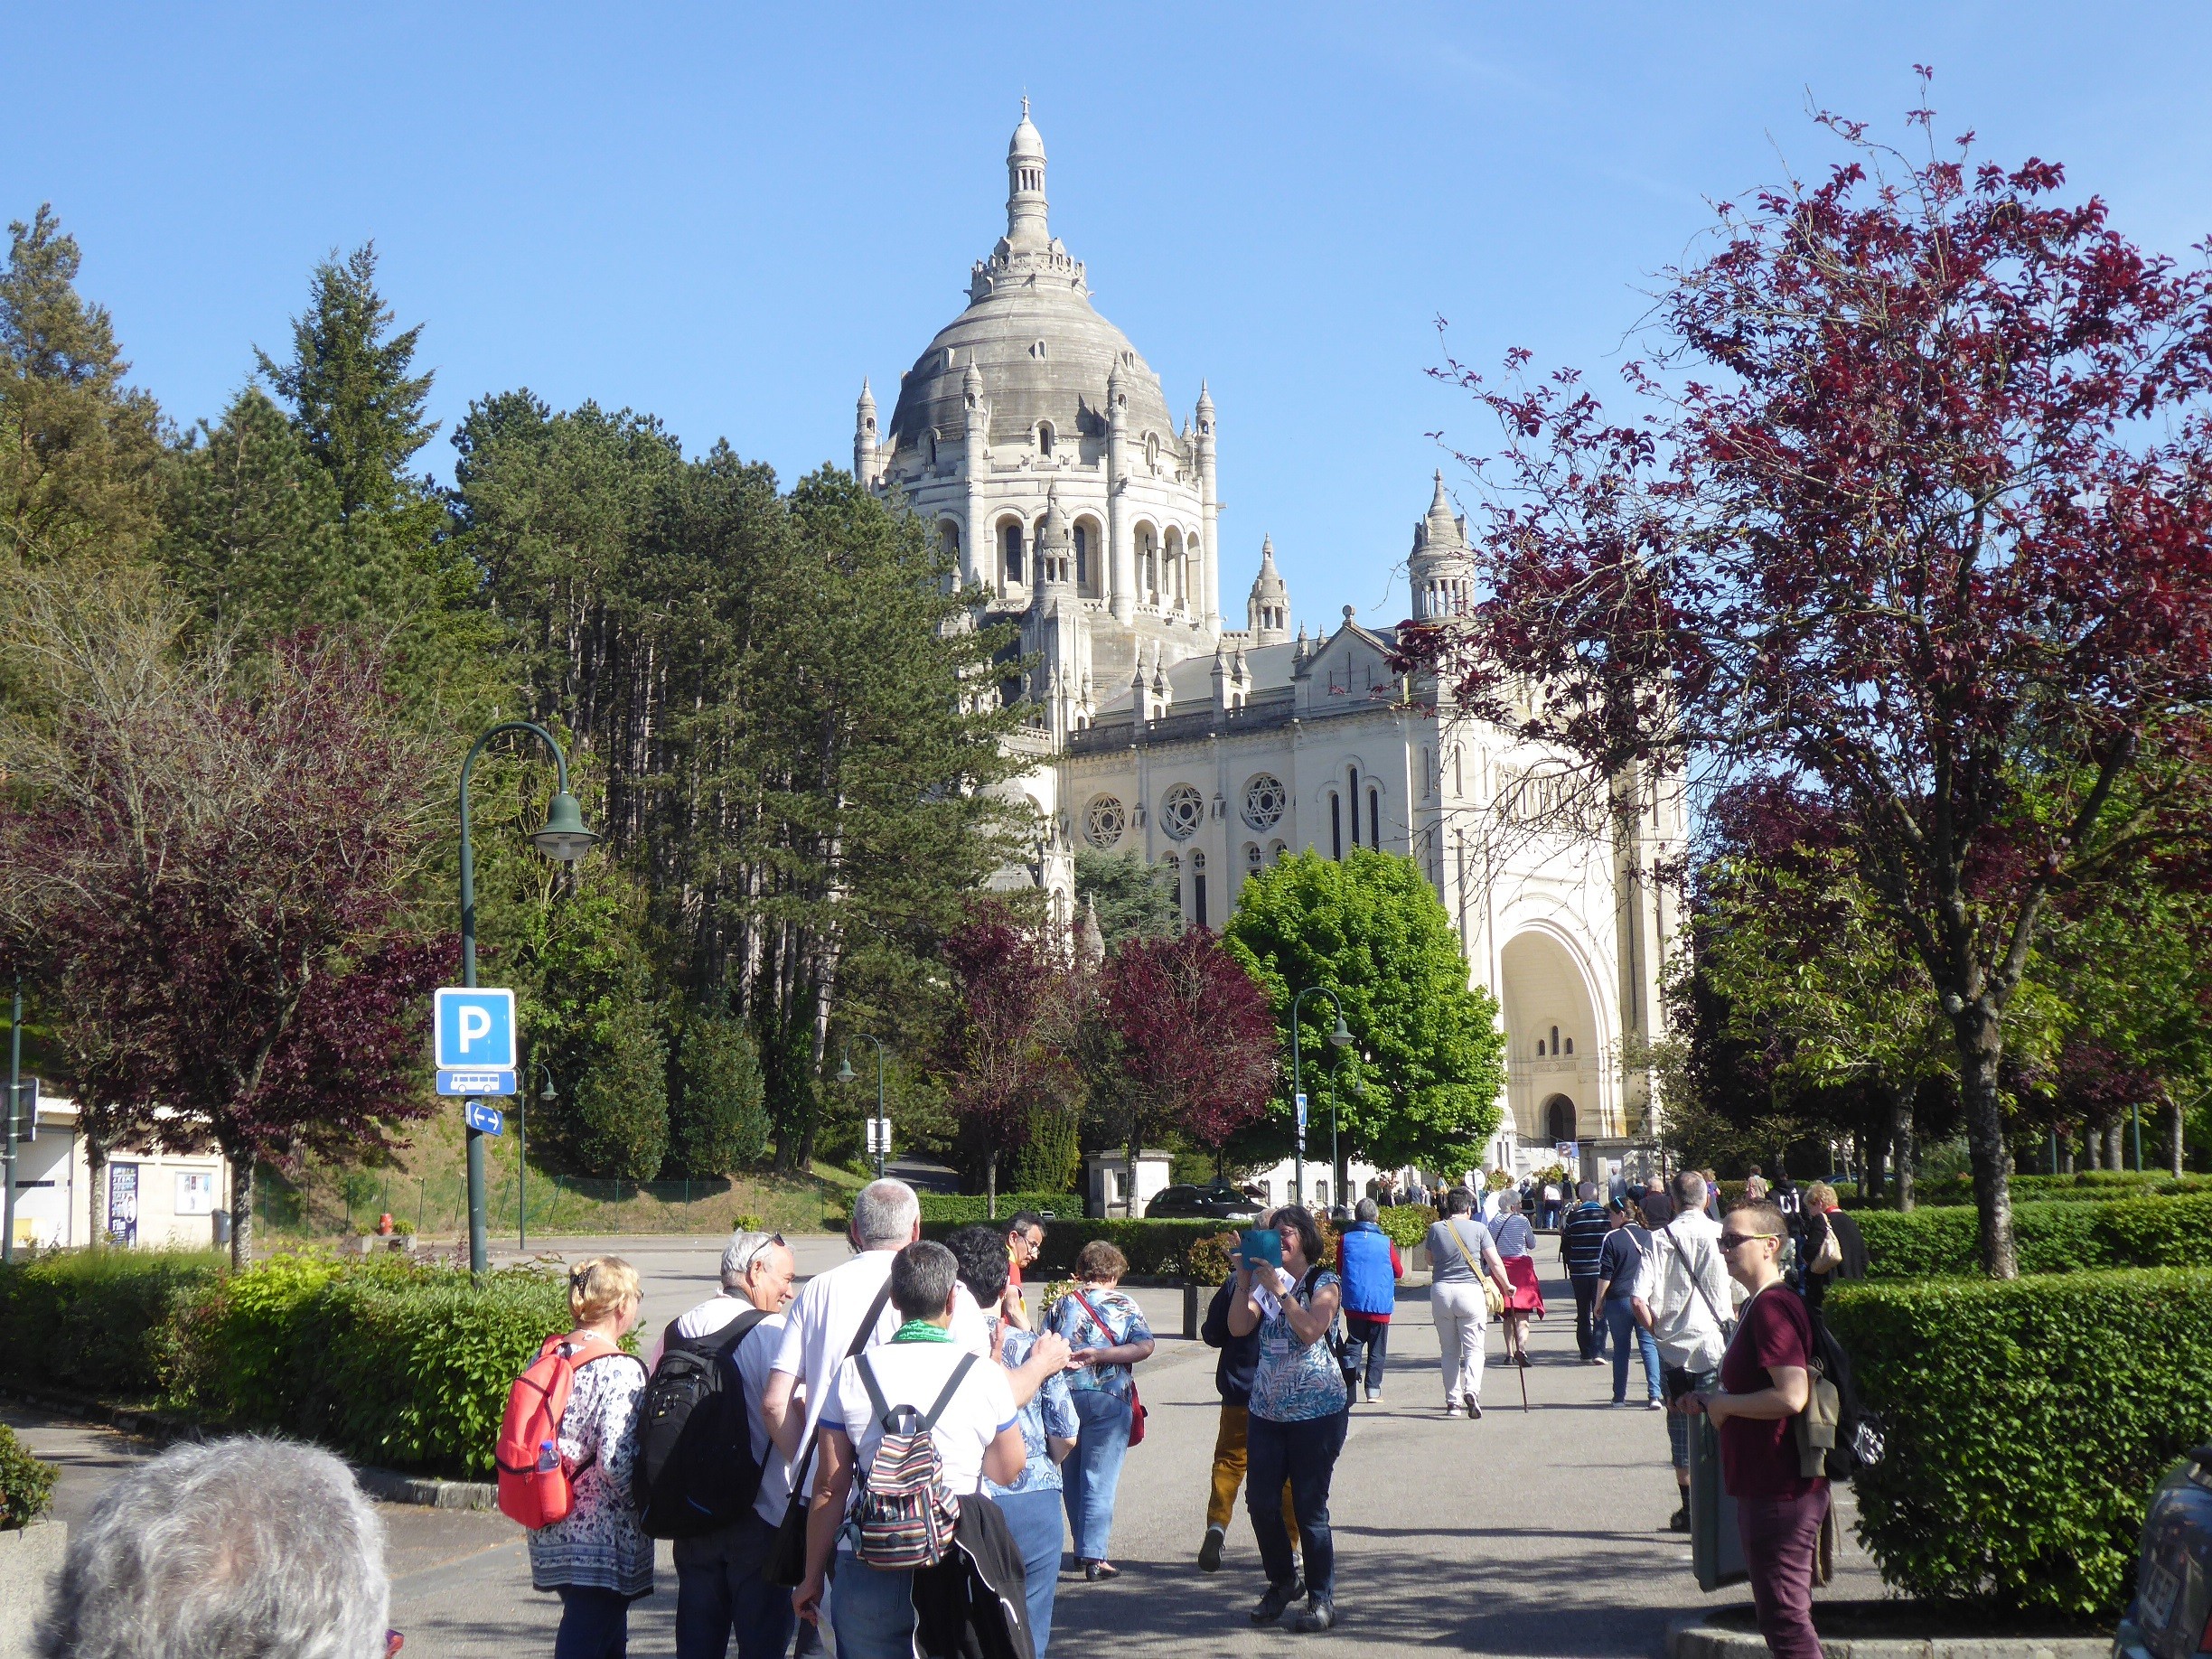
1461 1256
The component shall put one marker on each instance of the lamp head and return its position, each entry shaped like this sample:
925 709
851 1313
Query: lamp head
1342 1035
546 1093
563 836
845 1073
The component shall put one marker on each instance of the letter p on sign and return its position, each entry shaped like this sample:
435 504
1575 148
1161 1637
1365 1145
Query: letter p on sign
475 1029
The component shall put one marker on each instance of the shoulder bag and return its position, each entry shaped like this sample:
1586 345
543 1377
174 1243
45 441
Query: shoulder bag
786 1566
1493 1297
1727 1324
1137 1409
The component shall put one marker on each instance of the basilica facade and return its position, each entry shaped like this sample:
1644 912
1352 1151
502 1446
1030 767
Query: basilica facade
1041 446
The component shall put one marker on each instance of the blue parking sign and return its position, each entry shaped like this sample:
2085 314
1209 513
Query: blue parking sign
475 1029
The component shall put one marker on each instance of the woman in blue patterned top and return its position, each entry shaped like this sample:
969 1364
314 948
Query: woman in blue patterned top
1299 1412
1048 1428
1109 1336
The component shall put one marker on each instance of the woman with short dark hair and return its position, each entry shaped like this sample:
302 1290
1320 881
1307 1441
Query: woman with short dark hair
1299 1410
1108 1333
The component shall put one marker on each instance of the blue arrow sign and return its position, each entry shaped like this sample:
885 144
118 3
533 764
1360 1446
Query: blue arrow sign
475 1030
484 1119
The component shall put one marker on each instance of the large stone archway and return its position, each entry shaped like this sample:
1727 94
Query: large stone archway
1557 1043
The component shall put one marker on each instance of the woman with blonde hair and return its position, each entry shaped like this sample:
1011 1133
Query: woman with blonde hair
598 1559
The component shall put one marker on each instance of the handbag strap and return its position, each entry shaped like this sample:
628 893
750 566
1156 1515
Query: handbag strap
802 1470
1696 1284
1099 1319
1465 1254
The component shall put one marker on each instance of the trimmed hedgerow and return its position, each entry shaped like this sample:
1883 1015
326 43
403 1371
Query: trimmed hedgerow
2084 1186
2028 1421
2051 1238
99 1322
961 1207
1407 1223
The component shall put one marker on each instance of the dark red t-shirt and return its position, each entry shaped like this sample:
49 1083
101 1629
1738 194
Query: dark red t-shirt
1758 1455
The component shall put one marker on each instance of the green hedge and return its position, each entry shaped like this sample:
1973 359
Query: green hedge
2050 1237
98 1321
2086 1187
958 1207
1407 1223
2028 1421
1155 1249
386 1362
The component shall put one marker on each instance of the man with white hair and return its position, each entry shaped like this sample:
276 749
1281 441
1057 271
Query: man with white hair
1685 1300
249 1548
721 1577
850 1309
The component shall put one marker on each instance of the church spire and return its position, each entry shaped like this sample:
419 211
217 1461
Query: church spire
1026 185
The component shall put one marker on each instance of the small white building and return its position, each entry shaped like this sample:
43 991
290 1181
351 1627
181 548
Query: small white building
150 1200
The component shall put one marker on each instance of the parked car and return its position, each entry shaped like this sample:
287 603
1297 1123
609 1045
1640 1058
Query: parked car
1217 1201
2170 1613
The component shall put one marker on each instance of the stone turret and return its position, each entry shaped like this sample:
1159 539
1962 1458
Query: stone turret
1268 609
864 465
1441 573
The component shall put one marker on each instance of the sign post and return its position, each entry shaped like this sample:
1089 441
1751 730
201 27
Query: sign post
477 1054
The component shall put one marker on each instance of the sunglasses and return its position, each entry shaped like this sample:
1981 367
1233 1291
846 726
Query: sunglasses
1730 1240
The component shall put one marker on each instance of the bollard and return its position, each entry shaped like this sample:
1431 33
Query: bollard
1190 1310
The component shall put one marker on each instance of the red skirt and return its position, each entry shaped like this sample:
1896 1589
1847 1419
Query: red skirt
1526 1298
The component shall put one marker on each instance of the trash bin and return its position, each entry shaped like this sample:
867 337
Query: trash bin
223 1230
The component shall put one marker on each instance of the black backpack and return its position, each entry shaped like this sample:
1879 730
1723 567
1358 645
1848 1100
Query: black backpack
695 1469
1860 1438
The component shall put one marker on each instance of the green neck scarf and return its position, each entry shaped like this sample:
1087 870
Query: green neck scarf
921 1330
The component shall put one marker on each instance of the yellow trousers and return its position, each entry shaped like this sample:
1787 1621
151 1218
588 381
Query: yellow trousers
1229 1472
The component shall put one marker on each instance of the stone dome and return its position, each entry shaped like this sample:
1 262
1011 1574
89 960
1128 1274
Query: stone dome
1045 351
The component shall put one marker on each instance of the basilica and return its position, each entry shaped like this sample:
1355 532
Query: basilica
1041 446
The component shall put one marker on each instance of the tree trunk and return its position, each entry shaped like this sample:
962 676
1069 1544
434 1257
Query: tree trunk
1979 1029
991 1183
1902 1151
2115 1153
95 1223
241 1207
2093 1148
2174 1149
1128 1192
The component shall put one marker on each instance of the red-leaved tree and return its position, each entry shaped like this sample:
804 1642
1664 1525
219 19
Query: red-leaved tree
1927 534
207 872
1006 1051
1190 1040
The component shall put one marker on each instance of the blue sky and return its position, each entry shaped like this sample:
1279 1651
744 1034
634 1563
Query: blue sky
728 215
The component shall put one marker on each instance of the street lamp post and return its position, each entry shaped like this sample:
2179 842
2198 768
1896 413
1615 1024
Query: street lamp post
15 1105
562 835
545 1095
1340 1038
846 1074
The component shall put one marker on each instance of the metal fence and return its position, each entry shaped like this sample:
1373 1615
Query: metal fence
430 1205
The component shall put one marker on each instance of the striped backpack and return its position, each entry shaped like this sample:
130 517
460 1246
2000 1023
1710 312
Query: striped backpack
905 1514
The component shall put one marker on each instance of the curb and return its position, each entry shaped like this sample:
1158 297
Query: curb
1693 1638
386 1486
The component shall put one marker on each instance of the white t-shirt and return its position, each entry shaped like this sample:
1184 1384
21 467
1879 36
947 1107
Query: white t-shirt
913 1373
756 1358
818 1325
1687 1282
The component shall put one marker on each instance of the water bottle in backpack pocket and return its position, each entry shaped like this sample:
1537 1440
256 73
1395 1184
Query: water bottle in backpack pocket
905 1515
533 1487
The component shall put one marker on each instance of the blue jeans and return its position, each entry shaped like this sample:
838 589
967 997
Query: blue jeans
720 1587
1038 1527
871 1610
594 1624
1620 1321
1094 1470
1305 1455
1366 1345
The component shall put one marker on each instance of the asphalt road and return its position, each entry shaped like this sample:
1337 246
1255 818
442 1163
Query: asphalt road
1526 1533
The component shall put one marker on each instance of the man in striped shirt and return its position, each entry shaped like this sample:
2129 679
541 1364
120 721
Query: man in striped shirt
1582 1236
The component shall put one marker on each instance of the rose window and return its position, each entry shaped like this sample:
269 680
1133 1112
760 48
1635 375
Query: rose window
1264 801
1103 821
1182 810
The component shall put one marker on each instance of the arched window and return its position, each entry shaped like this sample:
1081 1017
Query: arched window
1198 887
1252 856
1082 555
948 538
1570 1045
1555 1040
1355 794
1013 552
1335 825
1045 438
1374 819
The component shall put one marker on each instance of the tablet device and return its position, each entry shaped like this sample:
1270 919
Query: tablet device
1261 1244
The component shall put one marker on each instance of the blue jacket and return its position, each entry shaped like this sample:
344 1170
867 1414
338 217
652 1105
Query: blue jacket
1367 1261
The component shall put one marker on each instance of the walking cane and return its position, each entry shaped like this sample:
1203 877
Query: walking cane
1522 1372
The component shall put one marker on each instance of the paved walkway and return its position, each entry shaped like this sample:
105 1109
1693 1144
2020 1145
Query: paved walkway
1525 1533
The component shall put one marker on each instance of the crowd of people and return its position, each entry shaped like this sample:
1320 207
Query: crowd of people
931 1450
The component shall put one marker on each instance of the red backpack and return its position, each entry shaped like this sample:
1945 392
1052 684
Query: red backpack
533 1487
